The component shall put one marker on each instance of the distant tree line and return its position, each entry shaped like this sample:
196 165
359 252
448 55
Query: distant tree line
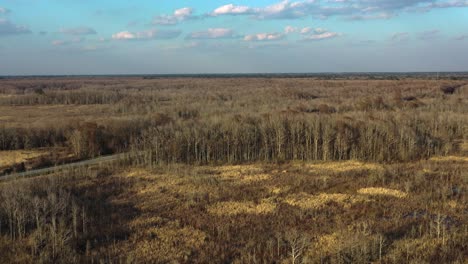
321 137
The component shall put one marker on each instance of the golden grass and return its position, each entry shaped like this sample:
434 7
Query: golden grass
277 190
167 244
236 208
329 243
307 201
449 159
344 166
10 158
464 145
242 174
382 191
155 183
145 221
454 204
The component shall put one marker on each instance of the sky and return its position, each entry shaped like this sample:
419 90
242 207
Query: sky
73 37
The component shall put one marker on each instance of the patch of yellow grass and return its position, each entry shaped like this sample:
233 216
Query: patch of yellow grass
425 170
237 208
155 190
329 243
449 159
382 191
137 172
307 201
145 221
344 166
242 174
235 170
453 204
255 178
168 244
10 158
277 190
464 145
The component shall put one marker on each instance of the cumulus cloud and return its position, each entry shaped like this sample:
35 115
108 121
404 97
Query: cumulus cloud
351 9
231 9
212 33
290 29
264 37
147 35
179 15
8 28
304 30
78 31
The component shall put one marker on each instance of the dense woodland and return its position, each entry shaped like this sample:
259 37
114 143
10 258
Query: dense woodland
237 170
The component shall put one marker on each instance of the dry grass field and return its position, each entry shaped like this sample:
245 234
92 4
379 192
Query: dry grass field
10 158
398 213
236 170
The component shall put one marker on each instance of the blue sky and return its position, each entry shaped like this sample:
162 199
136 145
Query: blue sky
159 37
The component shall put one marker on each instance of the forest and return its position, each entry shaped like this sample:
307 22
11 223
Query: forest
232 169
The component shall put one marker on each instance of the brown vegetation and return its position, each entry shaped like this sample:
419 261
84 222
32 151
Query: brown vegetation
239 170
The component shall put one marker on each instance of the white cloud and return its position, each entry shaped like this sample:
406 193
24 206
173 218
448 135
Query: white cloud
183 12
124 35
322 36
264 37
146 35
231 9
304 30
351 9
78 31
212 33
179 15
290 29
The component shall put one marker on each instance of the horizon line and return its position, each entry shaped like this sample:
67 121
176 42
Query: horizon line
234 74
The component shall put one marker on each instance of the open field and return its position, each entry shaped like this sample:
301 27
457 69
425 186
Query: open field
337 212
235 170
